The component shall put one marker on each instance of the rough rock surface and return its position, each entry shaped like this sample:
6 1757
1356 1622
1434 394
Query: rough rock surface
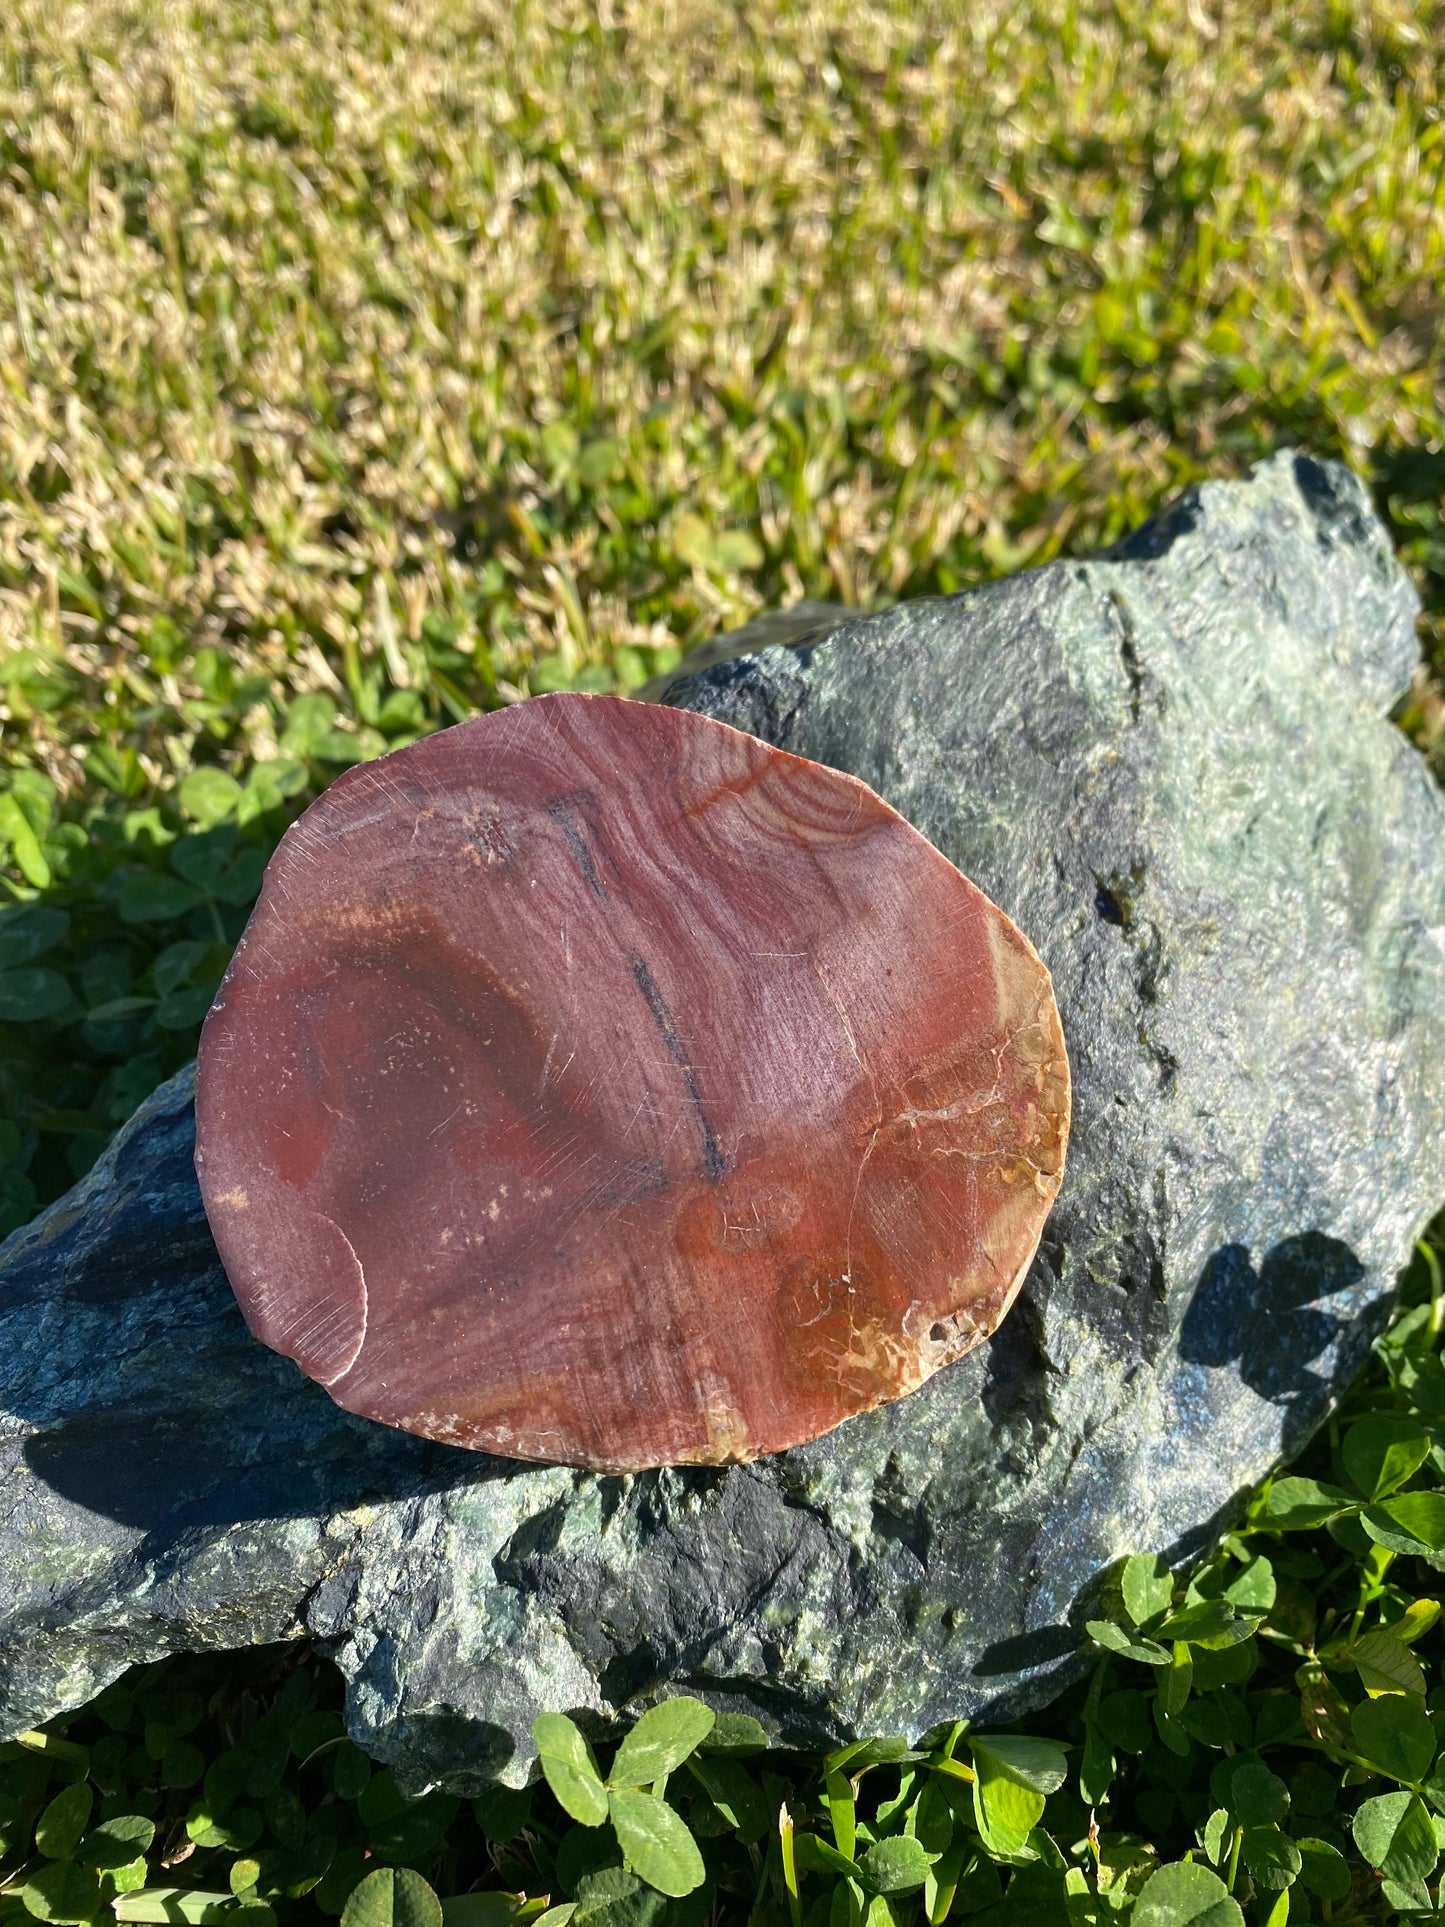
1172 767
598 1085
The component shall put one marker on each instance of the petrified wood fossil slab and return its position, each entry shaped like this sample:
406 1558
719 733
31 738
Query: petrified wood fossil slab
596 1083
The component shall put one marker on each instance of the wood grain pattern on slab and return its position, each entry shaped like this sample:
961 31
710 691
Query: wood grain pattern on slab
595 1083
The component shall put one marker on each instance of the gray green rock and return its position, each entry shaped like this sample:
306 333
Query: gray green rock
1173 767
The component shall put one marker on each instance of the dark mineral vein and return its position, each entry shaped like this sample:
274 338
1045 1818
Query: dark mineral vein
561 813
714 1164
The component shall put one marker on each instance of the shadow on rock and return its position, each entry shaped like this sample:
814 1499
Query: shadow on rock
1027 1652
150 1402
171 1471
1274 1322
476 1750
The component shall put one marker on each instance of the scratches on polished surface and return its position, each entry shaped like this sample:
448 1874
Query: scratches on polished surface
596 1083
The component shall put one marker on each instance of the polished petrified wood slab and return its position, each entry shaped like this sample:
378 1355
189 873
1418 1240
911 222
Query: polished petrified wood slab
596 1083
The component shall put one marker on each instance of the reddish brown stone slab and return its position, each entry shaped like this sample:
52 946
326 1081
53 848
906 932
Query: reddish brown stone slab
596 1083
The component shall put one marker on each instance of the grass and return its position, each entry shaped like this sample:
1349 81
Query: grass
365 364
